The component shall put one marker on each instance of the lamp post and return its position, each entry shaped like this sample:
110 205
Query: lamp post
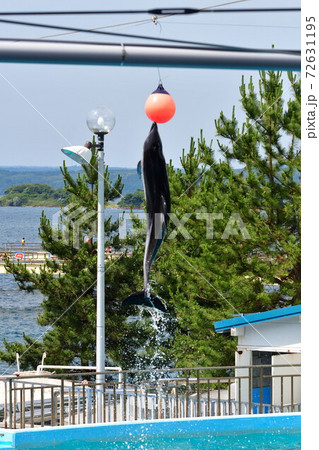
100 121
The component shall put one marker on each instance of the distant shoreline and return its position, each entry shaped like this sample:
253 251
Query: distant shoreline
58 206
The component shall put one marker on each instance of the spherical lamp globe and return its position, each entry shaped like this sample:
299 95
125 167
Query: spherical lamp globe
100 120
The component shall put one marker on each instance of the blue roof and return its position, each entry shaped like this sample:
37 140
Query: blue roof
241 321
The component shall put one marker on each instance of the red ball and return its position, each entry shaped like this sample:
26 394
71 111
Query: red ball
160 107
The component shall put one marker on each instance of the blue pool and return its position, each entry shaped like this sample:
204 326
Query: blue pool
265 432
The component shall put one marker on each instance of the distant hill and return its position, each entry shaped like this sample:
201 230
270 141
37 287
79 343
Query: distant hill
52 176
130 200
33 195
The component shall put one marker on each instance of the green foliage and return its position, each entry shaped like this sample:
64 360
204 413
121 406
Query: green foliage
134 200
33 195
236 248
246 258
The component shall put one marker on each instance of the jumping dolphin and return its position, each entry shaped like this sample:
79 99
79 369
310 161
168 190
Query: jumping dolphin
158 204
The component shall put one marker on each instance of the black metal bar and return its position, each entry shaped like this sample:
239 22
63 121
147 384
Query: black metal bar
124 397
177 401
208 399
22 412
166 401
32 406
94 403
146 403
135 402
83 404
239 396
198 395
73 402
62 402
187 394
114 402
42 406
52 407
229 395
5 412
282 393
250 387
14 406
156 405
10 403
292 393
104 402
261 374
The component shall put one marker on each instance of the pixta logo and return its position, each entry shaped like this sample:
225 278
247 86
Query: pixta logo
234 225
68 223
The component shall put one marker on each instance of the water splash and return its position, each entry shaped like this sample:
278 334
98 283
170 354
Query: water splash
152 355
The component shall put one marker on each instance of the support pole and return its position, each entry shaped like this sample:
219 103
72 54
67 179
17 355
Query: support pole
147 56
100 298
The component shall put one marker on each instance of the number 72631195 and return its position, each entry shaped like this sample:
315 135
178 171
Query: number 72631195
310 47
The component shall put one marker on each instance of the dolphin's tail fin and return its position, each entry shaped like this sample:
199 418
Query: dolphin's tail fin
140 298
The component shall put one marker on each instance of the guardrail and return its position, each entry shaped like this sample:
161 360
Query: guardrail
17 246
66 399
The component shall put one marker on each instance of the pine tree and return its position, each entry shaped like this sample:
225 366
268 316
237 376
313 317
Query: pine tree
245 258
233 246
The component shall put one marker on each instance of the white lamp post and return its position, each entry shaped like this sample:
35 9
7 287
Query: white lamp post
100 121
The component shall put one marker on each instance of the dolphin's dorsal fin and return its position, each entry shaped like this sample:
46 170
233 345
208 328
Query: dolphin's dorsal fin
139 169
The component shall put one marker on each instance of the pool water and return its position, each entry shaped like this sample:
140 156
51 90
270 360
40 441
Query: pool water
249 432
289 439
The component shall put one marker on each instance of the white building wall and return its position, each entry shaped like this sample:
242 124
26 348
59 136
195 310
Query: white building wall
282 335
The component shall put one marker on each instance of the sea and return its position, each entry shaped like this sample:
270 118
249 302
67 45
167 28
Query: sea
19 309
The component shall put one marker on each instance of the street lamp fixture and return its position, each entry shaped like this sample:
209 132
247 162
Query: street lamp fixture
79 153
100 121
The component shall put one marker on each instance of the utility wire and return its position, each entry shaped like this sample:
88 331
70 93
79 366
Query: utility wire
108 33
231 25
155 11
138 22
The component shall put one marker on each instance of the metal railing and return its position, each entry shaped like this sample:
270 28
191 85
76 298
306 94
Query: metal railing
31 253
66 399
17 246
34 254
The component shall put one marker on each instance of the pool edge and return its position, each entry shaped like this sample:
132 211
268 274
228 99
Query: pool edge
36 437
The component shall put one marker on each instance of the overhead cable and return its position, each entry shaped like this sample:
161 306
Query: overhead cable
139 22
155 11
109 33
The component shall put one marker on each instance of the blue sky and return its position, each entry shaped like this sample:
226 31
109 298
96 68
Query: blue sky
64 94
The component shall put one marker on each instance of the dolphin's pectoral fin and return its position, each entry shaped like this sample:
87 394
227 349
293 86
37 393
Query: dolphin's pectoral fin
139 298
139 169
